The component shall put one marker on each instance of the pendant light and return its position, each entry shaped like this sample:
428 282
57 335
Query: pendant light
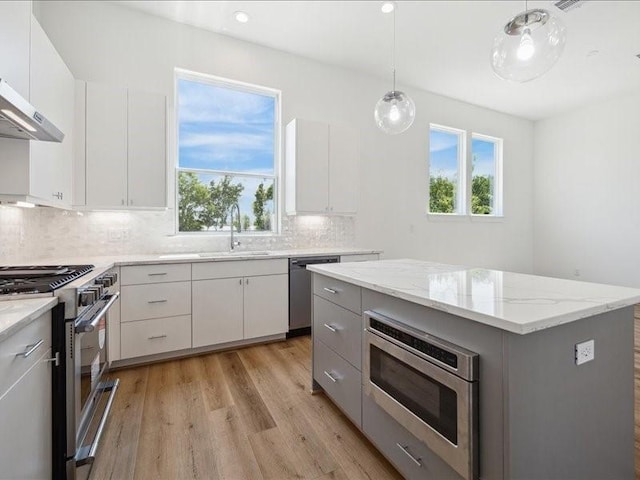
395 111
528 45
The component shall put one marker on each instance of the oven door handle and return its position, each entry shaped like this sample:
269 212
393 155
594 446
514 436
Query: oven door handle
90 325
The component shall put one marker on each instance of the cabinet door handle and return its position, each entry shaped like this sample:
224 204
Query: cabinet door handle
331 377
247 281
330 290
155 337
329 327
156 274
55 359
405 449
157 301
30 349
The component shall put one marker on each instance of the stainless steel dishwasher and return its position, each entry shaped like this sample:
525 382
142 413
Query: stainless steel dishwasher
300 293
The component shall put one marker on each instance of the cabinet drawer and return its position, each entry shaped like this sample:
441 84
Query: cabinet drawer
239 268
389 436
340 329
139 302
159 335
339 379
141 274
12 367
341 293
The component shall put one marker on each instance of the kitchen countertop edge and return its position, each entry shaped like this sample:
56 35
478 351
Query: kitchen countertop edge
28 310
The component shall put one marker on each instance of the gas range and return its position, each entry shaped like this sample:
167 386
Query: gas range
37 279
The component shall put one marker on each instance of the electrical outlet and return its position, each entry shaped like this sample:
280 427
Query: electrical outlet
114 235
585 352
126 234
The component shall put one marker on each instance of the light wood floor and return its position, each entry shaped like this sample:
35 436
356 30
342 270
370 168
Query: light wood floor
244 414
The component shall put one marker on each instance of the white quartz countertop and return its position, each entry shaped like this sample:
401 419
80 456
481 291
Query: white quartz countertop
17 314
107 261
514 302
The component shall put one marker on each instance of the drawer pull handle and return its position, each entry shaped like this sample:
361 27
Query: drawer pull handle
405 449
155 337
30 349
331 377
330 290
156 301
329 327
157 274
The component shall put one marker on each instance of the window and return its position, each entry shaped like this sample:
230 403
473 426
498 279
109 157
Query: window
227 154
464 181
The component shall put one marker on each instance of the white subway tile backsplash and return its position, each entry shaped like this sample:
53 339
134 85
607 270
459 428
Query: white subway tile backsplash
31 234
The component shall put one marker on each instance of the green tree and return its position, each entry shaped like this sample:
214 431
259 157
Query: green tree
441 195
223 195
262 215
246 222
481 194
194 198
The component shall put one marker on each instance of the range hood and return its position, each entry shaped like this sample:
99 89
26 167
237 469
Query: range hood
20 119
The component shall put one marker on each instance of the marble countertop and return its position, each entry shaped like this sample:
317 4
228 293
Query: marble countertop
18 313
107 261
514 302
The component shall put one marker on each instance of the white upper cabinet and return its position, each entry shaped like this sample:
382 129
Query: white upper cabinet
147 185
15 20
124 153
36 171
344 153
106 146
321 168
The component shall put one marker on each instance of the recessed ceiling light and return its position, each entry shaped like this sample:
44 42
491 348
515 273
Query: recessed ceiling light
388 7
242 17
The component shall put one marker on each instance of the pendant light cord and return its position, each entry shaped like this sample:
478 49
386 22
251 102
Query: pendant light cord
393 56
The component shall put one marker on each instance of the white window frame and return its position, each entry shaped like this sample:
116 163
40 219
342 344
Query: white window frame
465 167
181 74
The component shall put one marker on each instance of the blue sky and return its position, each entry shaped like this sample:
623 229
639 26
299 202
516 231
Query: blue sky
443 148
225 129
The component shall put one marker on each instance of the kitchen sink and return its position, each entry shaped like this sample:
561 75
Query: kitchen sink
235 254
178 256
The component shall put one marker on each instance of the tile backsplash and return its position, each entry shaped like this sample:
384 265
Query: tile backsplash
31 234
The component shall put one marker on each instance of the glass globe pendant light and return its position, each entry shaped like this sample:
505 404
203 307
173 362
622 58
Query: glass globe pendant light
395 111
528 45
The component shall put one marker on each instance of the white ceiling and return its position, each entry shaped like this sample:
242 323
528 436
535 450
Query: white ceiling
442 46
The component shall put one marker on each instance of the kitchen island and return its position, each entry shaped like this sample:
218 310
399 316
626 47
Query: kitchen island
541 400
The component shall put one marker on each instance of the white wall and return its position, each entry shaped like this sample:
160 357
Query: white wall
587 201
108 43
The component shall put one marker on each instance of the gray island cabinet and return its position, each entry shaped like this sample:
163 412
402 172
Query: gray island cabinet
535 409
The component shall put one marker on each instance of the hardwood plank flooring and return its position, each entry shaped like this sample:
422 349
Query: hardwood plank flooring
245 414
235 415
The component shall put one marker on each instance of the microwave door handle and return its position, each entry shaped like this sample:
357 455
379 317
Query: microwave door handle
84 327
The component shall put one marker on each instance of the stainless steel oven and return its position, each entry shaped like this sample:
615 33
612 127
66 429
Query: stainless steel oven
88 396
428 385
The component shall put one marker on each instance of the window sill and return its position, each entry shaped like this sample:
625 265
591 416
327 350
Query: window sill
454 217
227 234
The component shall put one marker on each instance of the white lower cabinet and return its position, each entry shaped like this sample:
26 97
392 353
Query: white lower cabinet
231 309
156 335
25 403
217 311
266 305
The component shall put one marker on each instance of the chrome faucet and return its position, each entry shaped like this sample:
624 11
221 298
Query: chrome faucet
237 207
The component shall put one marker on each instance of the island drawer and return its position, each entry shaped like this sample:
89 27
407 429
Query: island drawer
158 335
341 293
340 329
239 268
141 302
160 273
399 446
339 379
12 364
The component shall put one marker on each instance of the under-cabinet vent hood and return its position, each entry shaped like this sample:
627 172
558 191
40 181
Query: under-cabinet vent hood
20 119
